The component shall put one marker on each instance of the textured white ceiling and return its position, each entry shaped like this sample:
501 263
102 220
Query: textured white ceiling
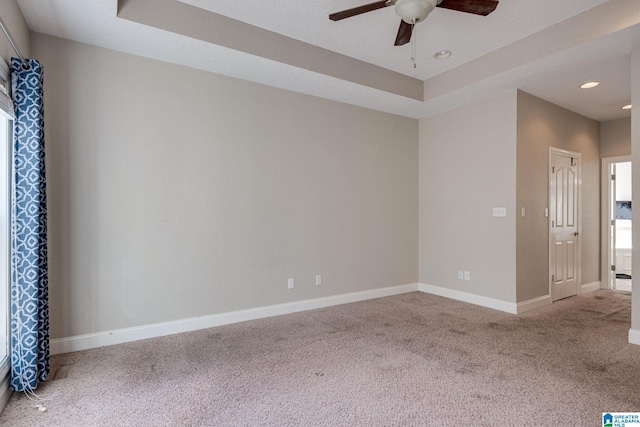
369 37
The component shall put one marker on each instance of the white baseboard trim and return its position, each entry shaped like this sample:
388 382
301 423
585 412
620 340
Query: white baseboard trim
119 336
590 287
5 392
533 303
509 307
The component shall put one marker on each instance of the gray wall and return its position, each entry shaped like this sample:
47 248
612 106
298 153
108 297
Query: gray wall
176 193
615 138
467 167
13 19
542 125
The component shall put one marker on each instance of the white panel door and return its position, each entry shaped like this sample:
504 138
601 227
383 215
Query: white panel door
565 227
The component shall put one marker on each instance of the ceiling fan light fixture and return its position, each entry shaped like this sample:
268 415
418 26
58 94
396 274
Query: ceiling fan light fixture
589 85
414 11
627 107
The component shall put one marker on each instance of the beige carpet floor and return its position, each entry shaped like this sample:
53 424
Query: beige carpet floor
412 359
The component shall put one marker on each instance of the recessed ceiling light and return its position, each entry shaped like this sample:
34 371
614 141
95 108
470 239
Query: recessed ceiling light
443 54
589 85
627 107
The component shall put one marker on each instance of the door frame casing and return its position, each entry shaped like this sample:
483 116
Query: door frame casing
605 238
568 153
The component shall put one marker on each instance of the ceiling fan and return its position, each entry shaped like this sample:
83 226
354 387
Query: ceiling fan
414 11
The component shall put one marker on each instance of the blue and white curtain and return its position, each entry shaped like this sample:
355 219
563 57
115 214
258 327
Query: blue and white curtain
29 270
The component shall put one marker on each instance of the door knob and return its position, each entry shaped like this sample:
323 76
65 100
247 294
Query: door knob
576 233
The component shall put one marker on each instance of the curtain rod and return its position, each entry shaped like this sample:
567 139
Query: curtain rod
6 32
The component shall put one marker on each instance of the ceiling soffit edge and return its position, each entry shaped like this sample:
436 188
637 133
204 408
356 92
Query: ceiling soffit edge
586 27
181 18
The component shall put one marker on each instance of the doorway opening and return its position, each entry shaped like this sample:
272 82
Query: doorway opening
618 205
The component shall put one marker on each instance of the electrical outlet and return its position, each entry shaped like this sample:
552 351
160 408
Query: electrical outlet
467 275
499 212
460 275
318 279
291 283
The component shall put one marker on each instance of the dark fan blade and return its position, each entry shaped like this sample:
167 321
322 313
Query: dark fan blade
404 33
478 7
358 10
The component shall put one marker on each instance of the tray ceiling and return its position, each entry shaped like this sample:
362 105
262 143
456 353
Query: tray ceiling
545 47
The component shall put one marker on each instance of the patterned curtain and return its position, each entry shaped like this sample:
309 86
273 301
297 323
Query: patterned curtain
29 271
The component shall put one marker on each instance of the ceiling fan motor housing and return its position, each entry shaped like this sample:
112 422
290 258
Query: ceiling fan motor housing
414 11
